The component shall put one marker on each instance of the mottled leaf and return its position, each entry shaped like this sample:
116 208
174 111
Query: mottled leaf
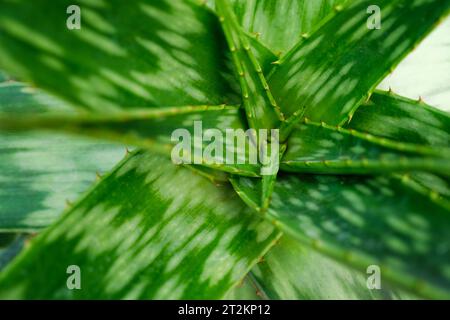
390 116
394 117
39 172
366 221
292 271
335 70
320 148
147 230
126 55
280 24
205 133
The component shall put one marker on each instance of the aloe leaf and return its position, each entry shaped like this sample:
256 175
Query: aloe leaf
360 221
391 116
337 68
261 194
155 130
261 108
394 117
152 53
320 148
41 172
182 237
292 271
280 25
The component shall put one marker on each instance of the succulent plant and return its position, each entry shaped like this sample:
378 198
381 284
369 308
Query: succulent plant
361 189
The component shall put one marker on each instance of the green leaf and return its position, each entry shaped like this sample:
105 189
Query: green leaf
157 130
335 70
147 230
366 221
261 109
320 148
152 53
40 172
292 271
280 25
263 55
391 116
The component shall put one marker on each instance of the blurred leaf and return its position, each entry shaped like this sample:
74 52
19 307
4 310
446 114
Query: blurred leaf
160 130
291 271
152 53
39 172
335 70
147 230
320 148
437 185
390 116
3 76
366 221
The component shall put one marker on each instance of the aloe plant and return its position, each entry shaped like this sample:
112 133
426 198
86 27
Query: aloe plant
363 177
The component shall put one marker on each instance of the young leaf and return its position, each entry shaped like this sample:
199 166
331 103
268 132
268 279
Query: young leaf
336 69
363 221
261 108
147 230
